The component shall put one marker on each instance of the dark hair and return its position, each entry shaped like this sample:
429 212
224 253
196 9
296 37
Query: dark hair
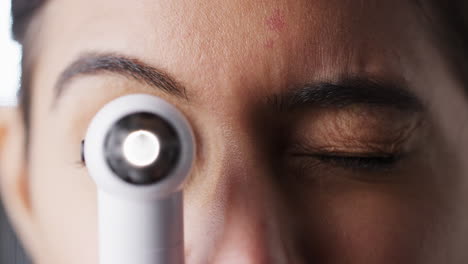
447 18
449 22
23 12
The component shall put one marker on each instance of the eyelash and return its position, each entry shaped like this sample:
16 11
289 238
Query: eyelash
368 162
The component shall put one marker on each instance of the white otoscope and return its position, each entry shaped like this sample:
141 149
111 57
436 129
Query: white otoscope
139 150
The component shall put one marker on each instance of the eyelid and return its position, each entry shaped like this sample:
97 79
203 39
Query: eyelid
355 130
370 157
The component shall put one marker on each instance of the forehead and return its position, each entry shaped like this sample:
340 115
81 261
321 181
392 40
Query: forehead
219 42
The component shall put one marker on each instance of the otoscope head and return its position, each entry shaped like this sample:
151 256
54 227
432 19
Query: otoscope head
139 145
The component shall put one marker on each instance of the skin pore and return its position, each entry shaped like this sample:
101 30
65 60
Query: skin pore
295 163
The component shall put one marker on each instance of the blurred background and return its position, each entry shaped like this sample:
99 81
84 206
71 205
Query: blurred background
10 56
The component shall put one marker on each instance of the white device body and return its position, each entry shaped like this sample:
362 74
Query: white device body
140 232
139 224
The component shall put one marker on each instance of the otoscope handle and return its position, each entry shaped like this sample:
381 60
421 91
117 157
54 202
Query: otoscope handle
140 231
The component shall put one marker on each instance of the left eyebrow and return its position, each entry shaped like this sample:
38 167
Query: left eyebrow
348 92
96 63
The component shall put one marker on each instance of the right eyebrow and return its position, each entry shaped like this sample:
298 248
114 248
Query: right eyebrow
96 63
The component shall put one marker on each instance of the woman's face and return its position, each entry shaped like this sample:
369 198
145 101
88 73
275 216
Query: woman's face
326 131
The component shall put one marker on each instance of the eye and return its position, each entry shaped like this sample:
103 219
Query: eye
356 142
362 166
365 162
370 161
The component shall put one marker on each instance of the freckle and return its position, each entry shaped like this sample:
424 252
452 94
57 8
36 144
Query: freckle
276 21
269 44
188 34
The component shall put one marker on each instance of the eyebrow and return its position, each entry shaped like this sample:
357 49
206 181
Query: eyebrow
347 92
96 63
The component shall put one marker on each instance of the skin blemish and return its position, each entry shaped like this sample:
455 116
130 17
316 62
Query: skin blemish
269 44
276 21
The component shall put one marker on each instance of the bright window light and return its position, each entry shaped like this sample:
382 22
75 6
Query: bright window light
10 56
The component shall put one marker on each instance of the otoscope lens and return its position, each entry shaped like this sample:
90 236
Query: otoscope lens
142 148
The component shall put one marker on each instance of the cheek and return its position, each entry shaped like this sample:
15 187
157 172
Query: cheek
361 223
373 229
63 197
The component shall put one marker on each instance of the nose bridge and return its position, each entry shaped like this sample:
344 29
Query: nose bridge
244 181
242 220
251 227
251 232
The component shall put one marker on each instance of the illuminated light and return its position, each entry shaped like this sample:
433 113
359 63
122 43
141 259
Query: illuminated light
141 148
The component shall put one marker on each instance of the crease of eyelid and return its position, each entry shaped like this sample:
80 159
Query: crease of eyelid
368 151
